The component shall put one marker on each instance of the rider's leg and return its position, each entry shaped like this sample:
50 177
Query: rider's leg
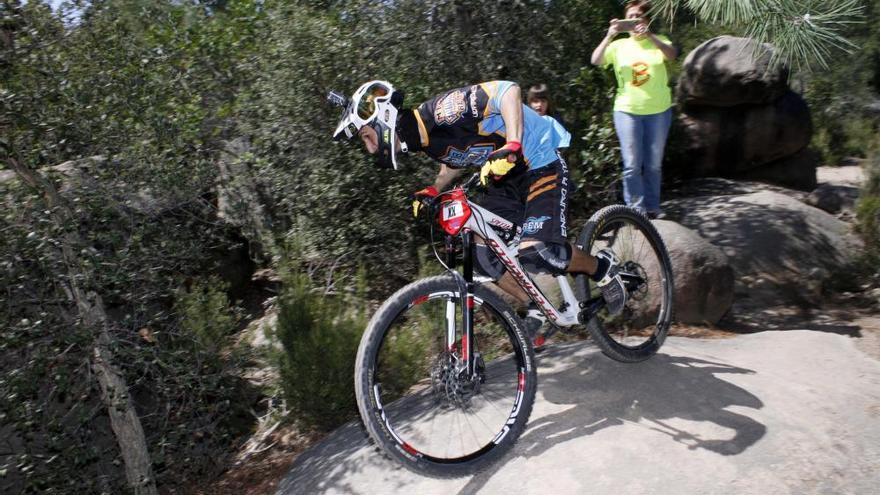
545 245
504 198
582 262
544 250
488 265
509 284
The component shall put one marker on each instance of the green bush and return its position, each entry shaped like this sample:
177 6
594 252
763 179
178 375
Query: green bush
205 312
319 335
868 212
844 136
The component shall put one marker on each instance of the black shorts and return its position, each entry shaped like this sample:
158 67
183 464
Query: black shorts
537 200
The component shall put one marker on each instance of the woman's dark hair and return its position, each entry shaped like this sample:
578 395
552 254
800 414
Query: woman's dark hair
643 5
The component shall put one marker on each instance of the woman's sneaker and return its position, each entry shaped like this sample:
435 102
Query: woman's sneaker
608 280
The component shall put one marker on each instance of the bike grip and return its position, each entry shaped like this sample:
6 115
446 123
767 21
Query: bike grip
430 203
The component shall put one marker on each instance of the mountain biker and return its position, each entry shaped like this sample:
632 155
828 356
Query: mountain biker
487 126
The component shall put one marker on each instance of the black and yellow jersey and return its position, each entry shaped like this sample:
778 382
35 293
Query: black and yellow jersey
462 126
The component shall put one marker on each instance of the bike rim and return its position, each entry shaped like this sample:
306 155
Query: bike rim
646 313
429 412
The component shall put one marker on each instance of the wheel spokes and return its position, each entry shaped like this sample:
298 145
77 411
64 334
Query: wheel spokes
428 403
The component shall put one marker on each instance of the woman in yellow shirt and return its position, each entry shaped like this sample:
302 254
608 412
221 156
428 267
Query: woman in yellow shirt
642 107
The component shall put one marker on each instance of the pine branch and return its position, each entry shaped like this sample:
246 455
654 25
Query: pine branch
803 32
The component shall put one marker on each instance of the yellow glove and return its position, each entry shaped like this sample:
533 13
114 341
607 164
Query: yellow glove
428 192
501 161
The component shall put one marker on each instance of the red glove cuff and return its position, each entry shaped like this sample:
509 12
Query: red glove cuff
514 146
429 191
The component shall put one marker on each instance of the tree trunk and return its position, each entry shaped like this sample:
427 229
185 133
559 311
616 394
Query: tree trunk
124 420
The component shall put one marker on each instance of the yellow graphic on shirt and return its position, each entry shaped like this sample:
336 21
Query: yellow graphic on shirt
640 74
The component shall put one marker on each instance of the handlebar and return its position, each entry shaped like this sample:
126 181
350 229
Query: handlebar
472 182
433 202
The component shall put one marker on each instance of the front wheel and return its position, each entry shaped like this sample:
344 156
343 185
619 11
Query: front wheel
416 402
639 331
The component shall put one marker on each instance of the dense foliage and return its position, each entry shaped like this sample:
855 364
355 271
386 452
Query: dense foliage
142 86
194 140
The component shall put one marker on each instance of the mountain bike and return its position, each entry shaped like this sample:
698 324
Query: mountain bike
445 375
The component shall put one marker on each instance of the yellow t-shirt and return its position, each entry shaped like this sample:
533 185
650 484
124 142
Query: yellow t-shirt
642 81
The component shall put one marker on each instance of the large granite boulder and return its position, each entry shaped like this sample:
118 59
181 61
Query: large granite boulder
717 186
797 171
703 276
774 242
739 119
735 141
728 71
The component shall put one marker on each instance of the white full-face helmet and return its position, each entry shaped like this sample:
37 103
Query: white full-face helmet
376 104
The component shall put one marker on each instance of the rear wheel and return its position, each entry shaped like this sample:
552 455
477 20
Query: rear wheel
414 400
639 331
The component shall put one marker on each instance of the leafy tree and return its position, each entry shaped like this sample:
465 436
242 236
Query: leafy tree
145 87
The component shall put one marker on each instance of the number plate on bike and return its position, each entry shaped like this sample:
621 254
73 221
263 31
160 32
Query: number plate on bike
453 210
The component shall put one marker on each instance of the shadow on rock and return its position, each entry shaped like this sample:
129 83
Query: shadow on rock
756 319
606 393
782 250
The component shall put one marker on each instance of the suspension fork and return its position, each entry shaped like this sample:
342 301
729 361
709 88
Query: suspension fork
467 309
465 281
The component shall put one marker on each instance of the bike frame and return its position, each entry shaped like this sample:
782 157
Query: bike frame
459 216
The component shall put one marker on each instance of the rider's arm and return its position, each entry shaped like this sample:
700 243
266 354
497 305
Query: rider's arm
446 176
512 113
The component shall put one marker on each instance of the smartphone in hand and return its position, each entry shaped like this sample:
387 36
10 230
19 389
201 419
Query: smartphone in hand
626 24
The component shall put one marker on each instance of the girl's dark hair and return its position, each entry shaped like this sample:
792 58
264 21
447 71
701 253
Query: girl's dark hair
538 91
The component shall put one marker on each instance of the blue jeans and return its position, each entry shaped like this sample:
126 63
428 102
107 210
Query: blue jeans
642 141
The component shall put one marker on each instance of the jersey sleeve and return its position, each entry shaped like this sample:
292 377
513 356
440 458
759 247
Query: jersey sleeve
494 91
